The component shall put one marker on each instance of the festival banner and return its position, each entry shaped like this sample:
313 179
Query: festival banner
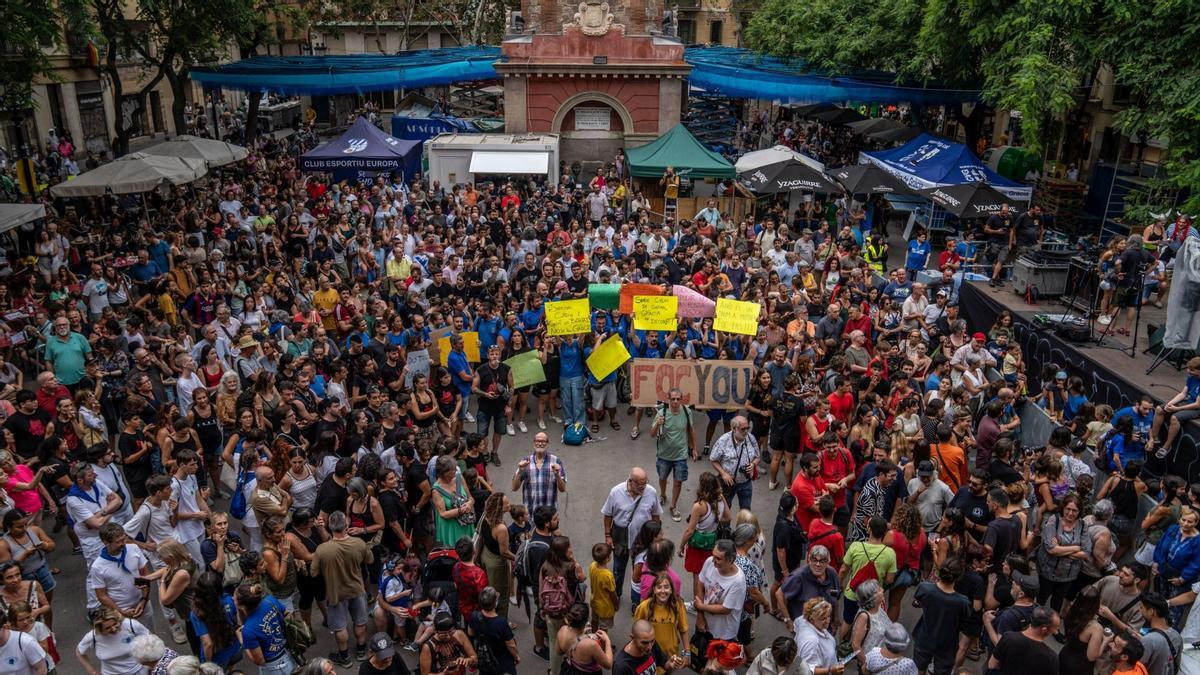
706 385
568 317
630 291
736 316
693 305
655 312
607 357
526 369
604 296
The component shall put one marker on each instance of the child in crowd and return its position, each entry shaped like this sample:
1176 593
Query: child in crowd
604 587
1099 427
518 533
395 596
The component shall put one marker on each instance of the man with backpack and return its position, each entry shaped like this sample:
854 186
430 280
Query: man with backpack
674 443
530 556
1162 642
870 559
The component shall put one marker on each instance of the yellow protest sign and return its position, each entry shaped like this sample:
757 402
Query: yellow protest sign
470 347
655 312
607 357
568 317
736 316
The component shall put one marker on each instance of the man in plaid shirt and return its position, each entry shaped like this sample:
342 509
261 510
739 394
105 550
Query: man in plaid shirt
540 476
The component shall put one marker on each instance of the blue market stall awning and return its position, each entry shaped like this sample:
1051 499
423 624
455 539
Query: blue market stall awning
738 73
363 152
742 73
325 75
928 161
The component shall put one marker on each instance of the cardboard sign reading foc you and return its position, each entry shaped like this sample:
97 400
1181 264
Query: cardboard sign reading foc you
706 385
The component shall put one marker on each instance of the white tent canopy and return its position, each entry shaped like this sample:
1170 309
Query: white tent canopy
211 151
13 216
137 172
779 153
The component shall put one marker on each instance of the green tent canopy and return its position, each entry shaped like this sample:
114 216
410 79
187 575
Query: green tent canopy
680 149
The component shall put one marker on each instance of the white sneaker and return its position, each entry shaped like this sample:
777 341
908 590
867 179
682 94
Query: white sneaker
542 424
511 430
470 418
557 419
178 634
1104 319
512 600
521 425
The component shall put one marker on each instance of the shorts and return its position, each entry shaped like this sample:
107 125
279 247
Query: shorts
781 443
1022 250
354 609
498 422
715 416
693 559
849 610
1182 416
43 576
904 579
1127 296
666 467
604 395
605 624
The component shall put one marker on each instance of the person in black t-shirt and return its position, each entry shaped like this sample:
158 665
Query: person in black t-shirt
332 494
1003 534
27 424
643 656
1026 652
135 450
998 230
943 612
1130 268
493 387
417 491
971 500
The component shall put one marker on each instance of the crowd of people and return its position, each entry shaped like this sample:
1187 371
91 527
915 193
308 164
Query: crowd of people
236 407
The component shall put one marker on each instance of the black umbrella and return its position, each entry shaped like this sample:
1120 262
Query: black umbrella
860 179
874 125
968 200
840 116
810 109
788 176
900 134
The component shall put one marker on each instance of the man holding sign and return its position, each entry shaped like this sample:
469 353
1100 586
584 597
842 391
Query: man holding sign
603 360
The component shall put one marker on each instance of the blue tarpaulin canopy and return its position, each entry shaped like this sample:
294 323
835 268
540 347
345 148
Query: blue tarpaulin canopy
363 152
929 161
739 73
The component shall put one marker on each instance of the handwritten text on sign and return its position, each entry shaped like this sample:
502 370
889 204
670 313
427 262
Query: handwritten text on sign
705 384
568 317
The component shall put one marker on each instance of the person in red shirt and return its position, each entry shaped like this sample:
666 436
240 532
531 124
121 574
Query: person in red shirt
807 488
841 401
856 320
50 392
837 471
950 257
823 532
469 578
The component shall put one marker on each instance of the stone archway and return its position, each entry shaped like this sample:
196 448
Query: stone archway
586 97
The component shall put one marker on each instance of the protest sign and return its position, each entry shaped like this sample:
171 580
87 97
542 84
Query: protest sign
435 343
568 317
607 357
470 347
693 305
736 316
604 296
705 385
630 291
526 369
655 312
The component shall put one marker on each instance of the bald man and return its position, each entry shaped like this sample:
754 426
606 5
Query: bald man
268 498
643 655
735 458
629 506
541 476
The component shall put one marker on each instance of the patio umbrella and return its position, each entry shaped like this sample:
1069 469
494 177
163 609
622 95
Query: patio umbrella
788 176
876 124
211 151
967 200
900 134
810 109
840 116
861 179
137 172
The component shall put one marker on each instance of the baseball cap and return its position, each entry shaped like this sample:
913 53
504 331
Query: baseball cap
943 293
979 336
925 468
1027 582
1060 375
381 646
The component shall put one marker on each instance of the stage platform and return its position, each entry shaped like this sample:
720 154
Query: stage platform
1110 375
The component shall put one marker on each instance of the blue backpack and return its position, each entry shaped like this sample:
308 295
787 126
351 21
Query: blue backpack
575 434
237 505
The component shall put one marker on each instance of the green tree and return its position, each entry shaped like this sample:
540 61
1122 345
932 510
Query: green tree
28 33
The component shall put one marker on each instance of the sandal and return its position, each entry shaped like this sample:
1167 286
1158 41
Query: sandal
595 428
616 426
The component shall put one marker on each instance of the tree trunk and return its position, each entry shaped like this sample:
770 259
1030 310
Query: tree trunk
252 118
178 82
972 124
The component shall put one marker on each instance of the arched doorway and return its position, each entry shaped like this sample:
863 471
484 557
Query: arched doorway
592 127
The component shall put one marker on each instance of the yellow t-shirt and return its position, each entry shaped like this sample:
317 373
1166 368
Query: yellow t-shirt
667 624
326 300
604 589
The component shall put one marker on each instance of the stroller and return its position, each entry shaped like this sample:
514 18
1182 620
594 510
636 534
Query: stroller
439 573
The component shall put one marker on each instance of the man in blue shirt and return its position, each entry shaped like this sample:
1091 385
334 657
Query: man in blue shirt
1182 407
145 270
488 326
1143 422
263 635
900 287
461 373
570 379
918 254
